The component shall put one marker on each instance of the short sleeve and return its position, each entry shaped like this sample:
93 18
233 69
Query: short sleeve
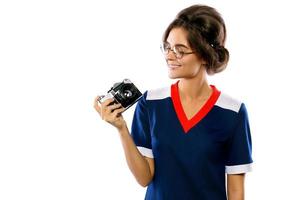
140 128
239 155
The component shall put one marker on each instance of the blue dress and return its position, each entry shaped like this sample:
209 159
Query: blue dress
191 156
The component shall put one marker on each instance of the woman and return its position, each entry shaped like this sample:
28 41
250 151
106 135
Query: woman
186 137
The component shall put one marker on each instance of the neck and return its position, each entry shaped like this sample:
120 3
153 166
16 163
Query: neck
194 89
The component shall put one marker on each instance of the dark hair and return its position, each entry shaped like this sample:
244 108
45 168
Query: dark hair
206 35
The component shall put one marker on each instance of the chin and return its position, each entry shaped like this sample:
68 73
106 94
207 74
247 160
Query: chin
174 76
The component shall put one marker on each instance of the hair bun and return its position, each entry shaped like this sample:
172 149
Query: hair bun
222 53
221 60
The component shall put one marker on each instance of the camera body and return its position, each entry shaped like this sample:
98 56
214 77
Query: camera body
125 93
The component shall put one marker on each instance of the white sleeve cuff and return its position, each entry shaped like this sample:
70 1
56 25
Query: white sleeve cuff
238 169
145 152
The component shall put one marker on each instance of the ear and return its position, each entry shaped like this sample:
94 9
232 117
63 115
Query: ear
203 62
203 67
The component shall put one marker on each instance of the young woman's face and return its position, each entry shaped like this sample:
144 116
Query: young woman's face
189 65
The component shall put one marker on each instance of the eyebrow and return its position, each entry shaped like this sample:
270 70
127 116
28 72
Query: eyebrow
179 45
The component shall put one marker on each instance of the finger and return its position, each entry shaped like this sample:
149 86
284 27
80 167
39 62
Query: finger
107 101
118 111
113 107
96 105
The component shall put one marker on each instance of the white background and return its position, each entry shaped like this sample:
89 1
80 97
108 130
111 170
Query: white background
56 56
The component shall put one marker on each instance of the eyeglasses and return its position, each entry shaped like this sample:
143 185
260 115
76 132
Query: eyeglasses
178 50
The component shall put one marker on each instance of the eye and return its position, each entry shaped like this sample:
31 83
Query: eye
179 49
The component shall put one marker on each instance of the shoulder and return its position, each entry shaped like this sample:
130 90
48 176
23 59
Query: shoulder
158 93
231 110
228 102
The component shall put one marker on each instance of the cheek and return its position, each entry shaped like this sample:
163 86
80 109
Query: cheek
195 69
191 67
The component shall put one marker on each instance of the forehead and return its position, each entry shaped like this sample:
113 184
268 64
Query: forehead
178 36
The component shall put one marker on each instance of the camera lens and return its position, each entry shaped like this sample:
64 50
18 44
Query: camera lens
127 93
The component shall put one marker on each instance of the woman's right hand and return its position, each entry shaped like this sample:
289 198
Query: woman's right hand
110 113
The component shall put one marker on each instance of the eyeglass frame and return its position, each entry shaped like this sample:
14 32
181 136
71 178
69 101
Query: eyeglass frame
177 54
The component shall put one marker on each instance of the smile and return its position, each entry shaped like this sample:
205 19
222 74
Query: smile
174 66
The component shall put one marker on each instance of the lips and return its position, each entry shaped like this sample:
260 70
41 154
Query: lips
173 66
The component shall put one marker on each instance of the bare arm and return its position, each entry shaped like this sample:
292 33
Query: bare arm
235 186
141 167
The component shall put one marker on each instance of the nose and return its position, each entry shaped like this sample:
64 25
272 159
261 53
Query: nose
171 55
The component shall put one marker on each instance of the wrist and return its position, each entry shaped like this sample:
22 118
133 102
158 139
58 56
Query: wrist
122 128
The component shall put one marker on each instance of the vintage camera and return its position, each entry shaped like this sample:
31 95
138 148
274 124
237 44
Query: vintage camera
125 93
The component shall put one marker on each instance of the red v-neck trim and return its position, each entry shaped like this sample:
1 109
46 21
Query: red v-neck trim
186 123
